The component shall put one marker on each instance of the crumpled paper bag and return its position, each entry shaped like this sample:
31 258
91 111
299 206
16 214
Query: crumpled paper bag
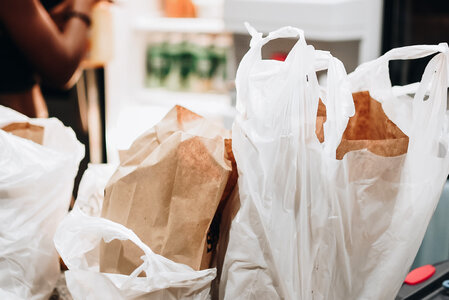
369 128
167 190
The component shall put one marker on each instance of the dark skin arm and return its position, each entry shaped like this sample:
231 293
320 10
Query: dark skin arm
54 52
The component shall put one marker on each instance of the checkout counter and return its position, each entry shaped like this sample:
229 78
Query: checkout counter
435 245
429 278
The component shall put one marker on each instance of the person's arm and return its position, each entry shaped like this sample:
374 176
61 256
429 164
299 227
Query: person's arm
55 54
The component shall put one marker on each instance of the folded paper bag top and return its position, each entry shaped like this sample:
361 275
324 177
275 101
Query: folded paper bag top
370 128
26 130
167 190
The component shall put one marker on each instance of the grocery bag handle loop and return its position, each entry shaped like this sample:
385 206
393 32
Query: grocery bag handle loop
417 51
338 101
427 116
83 233
284 32
414 52
254 56
412 88
258 41
403 53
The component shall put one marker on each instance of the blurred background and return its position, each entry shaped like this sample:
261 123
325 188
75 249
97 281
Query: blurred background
147 55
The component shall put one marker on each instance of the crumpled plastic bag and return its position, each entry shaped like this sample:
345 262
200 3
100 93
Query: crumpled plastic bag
36 183
78 239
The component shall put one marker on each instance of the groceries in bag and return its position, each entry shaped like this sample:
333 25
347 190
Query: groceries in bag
319 221
182 176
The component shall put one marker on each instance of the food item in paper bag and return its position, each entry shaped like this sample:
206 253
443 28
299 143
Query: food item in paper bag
167 190
27 131
369 129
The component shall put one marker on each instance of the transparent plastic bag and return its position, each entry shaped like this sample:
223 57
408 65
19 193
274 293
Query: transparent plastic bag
36 183
78 239
314 227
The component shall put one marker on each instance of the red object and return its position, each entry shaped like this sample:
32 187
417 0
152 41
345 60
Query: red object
420 274
281 56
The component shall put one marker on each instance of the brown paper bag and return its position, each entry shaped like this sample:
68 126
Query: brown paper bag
369 129
167 190
27 131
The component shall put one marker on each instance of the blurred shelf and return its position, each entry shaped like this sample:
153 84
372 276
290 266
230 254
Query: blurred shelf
321 20
202 103
186 25
328 20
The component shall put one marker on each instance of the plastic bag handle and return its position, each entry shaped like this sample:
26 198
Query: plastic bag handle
254 55
82 226
402 53
322 60
257 41
284 32
339 102
427 116
414 52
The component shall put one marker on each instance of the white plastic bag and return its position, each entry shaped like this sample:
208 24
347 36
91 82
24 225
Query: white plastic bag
272 100
314 227
77 241
91 190
36 183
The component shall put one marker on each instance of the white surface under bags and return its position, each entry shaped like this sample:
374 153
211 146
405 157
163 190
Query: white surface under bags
36 183
314 227
77 241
